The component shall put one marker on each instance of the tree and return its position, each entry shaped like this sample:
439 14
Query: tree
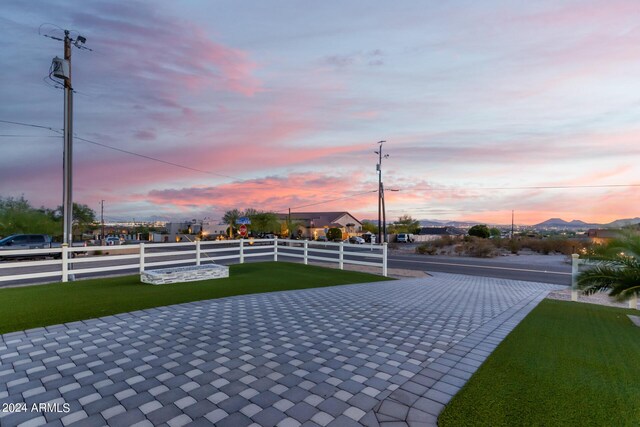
230 217
289 227
480 230
617 268
406 224
17 216
370 227
264 222
495 232
334 234
83 218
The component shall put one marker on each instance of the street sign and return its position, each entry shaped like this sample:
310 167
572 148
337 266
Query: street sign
243 220
243 230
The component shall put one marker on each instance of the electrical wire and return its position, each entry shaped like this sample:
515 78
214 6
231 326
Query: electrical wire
155 159
32 125
29 136
124 151
312 204
334 200
539 187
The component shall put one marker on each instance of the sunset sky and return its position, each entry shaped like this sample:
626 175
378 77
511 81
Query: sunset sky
280 104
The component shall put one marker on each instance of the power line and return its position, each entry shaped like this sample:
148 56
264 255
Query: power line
334 200
156 159
31 125
539 187
29 136
125 151
549 187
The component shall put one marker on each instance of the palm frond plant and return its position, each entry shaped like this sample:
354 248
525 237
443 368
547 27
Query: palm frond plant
616 268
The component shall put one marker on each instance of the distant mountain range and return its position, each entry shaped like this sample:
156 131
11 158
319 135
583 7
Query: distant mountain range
550 223
560 223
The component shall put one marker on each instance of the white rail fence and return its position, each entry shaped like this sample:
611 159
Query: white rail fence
82 261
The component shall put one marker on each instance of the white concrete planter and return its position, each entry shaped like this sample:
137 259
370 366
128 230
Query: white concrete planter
184 274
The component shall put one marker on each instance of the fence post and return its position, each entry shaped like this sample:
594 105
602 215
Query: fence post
574 276
384 259
241 251
306 252
65 262
197 252
633 302
341 256
141 257
275 248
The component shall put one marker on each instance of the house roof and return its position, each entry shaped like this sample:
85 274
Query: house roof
603 233
320 219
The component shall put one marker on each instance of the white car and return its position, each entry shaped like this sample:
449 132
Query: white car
357 240
112 241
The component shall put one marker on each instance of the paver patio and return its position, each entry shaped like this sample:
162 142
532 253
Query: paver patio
386 353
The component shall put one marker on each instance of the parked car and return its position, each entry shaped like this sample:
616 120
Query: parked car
404 238
21 242
322 238
112 241
356 240
369 238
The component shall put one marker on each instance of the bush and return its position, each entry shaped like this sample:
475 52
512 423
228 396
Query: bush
334 234
431 247
480 230
480 248
545 246
427 248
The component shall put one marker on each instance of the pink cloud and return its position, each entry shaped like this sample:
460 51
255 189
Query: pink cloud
274 193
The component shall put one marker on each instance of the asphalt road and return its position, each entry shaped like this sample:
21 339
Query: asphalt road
493 267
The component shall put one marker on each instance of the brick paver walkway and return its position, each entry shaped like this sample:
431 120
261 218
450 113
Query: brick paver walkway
370 354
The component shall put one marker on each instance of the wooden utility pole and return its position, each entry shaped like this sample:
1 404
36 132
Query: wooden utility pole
512 216
102 238
381 235
61 68
67 163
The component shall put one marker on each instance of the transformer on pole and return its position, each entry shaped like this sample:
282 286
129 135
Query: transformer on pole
61 68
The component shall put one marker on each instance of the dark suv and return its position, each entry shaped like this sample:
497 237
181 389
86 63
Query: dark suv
18 242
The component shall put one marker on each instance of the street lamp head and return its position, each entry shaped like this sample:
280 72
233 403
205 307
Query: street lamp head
380 142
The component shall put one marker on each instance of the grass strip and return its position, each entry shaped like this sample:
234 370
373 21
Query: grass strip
566 364
42 305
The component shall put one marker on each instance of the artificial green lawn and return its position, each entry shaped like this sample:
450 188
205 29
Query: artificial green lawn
42 305
566 364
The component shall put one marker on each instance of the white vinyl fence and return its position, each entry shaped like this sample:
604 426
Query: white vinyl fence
77 262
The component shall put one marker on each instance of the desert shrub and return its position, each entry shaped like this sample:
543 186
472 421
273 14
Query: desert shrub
443 242
427 248
431 247
480 248
514 246
553 245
